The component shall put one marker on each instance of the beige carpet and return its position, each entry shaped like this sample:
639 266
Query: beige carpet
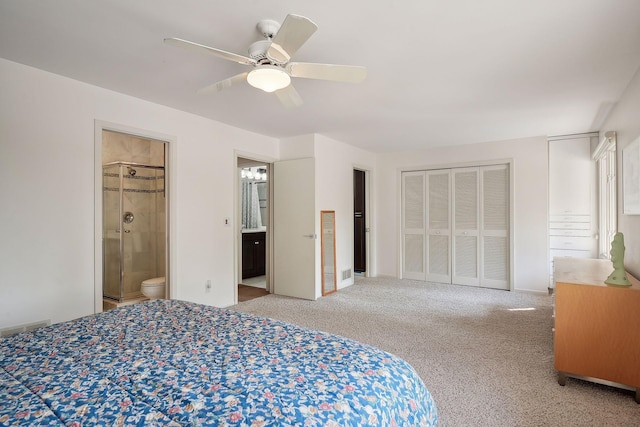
485 364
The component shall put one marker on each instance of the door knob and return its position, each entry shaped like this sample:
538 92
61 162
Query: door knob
127 218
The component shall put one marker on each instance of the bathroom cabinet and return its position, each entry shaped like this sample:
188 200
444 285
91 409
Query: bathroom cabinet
253 254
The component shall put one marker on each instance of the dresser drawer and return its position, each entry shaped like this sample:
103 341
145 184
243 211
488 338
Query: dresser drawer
569 232
570 218
570 225
574 243
567 253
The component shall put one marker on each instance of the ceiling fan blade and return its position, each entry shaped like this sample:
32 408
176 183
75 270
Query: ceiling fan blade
289 97
210 50
293 33
222 84
336 73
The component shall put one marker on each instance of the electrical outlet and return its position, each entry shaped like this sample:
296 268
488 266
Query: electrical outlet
207 286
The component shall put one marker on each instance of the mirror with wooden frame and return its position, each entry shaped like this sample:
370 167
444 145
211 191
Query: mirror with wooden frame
328 250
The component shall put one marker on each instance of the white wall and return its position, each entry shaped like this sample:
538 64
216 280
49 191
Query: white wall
47 189
335 162
297 147
530 177
625 120
47 192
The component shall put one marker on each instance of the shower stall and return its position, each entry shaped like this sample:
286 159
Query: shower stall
134 231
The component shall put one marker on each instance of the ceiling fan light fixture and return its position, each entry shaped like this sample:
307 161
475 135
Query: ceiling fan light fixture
268 78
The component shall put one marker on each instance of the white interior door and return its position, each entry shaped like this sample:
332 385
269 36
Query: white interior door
495 227
294 257
413 225
439 226
466 252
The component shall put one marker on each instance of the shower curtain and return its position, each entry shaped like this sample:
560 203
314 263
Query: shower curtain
250 205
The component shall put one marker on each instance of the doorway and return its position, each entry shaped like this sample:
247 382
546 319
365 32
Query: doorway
360 221
133 212
253 218
134 216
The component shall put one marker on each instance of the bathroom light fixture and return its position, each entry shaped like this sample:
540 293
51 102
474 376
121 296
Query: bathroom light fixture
259 174
268 78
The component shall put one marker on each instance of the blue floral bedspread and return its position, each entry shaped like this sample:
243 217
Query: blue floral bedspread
169 362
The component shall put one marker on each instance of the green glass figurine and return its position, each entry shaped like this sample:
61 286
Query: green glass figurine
619 276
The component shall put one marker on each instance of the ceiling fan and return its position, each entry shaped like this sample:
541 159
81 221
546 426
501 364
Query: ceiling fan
270 59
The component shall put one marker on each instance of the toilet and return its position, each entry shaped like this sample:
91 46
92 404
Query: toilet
153 288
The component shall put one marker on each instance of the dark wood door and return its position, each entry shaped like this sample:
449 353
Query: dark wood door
359 222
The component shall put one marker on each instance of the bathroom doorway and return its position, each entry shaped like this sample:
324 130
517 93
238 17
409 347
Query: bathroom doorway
253 219
359 223
134 217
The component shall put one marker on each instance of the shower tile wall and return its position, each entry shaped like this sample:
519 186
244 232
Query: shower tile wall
120 147
144 243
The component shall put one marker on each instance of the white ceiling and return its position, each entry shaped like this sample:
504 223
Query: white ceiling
439 72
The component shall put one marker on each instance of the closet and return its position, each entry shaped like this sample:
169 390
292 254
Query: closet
572 199
455 226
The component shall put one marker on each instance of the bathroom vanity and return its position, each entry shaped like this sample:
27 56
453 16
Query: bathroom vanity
253 253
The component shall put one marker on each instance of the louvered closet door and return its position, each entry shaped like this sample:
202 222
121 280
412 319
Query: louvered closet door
438 226
465 183
413 225
495 227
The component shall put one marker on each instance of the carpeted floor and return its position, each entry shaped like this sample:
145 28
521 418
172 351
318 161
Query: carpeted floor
485 363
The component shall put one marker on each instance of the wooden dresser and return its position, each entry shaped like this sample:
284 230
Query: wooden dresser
597 326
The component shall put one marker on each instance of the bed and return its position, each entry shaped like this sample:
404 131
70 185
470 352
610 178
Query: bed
175 363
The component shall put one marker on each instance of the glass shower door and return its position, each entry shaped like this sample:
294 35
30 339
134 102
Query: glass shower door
111 179
134 228
140 242
130 221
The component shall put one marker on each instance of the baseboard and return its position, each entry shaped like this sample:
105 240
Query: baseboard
16 329
532 292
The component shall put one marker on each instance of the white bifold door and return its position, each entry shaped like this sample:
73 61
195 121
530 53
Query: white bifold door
494 227
455 226
413 225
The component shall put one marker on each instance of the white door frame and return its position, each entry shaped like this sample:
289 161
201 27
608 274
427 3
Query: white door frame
170 187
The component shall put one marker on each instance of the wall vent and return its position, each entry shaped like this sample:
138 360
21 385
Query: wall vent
346 274
13 330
